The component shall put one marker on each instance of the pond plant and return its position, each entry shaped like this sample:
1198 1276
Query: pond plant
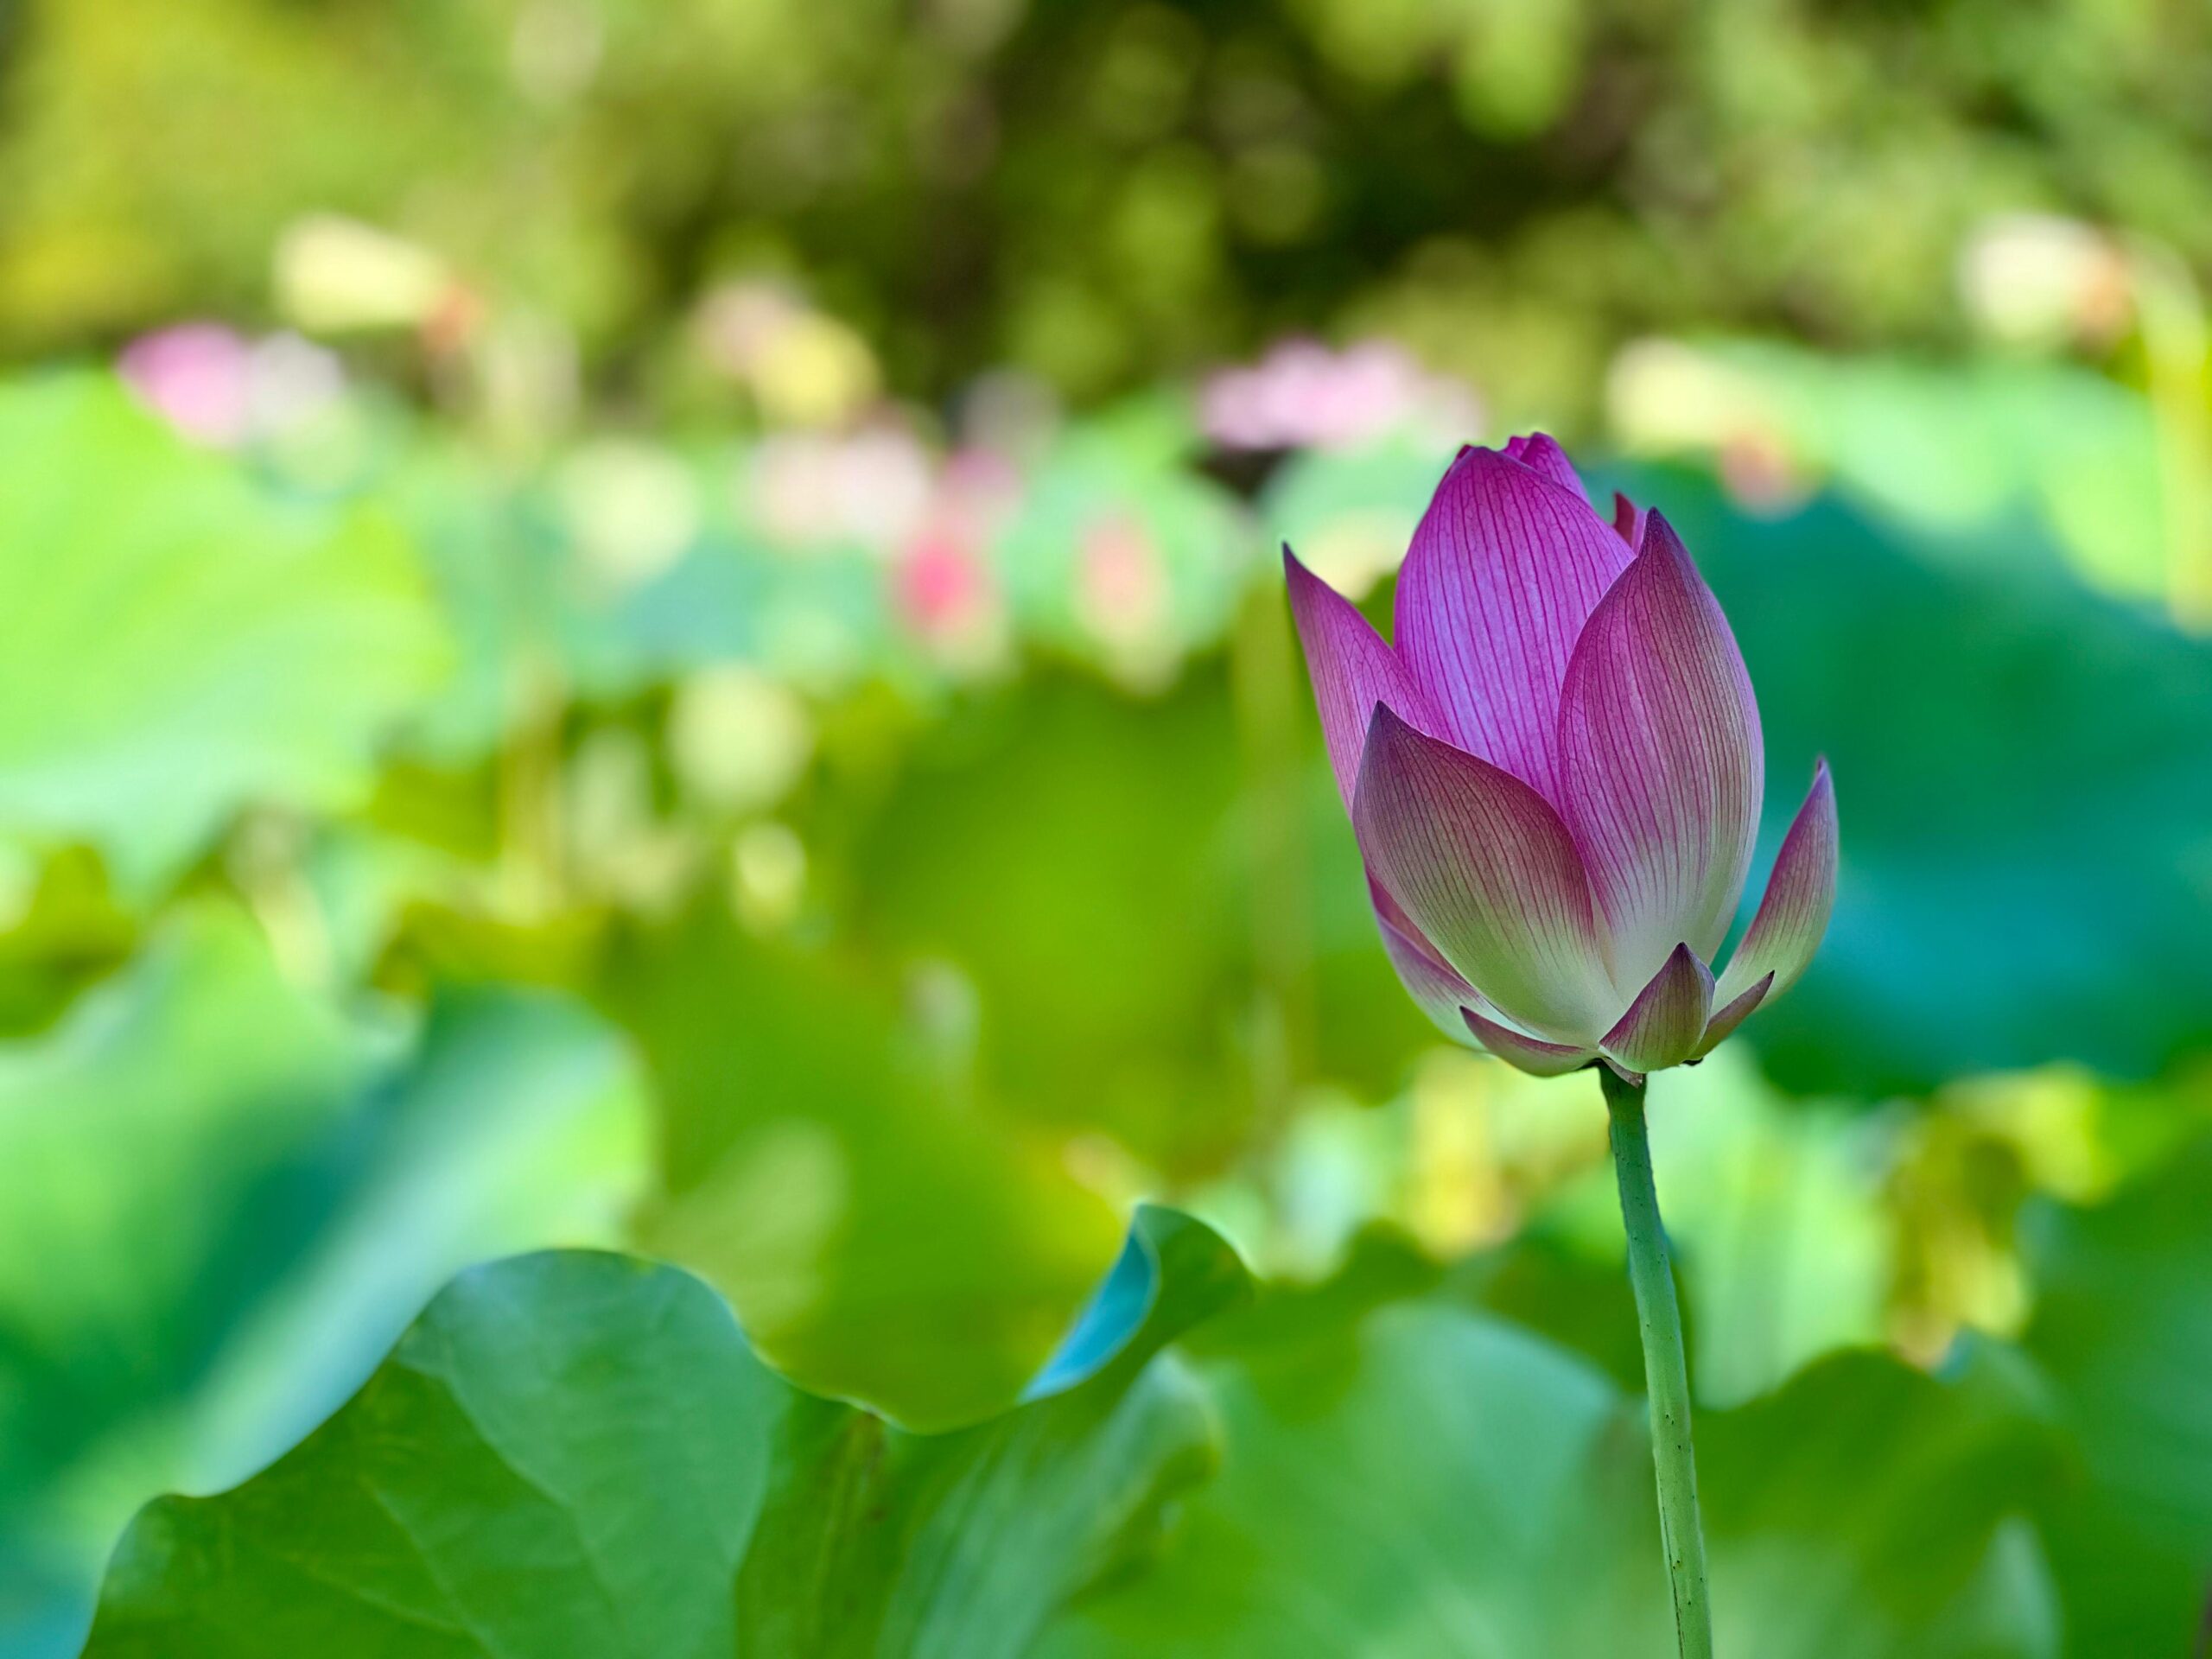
1554 772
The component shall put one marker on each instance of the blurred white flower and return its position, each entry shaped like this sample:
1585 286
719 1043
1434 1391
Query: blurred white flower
632 509
289 381
738 739
873 488
804 367
2040 279
336 275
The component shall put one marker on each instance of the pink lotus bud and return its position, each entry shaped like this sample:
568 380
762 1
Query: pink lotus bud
1555 771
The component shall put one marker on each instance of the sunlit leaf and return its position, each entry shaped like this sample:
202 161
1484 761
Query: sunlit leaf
1350 514
180 646
1944 446
540 618
579 1453
1775 1211
1122 552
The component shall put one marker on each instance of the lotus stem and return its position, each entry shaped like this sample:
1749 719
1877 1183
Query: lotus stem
1659 1318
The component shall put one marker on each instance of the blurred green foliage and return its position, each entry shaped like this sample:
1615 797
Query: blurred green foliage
2122 1330
910 968
1102 192
665 637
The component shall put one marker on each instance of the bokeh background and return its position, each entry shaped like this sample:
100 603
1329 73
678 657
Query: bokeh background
657 625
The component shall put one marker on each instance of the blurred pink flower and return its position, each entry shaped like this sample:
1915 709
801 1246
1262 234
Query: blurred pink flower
942 585
196 376
945 588
1121 582
1302 395
873 487
217 387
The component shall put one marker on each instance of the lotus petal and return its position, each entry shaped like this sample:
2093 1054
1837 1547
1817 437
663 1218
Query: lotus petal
1540 451
1458 1009
1800 895
1730 1015
1351 670
1505 569
1525 1053
1664 1025
1663 764
1628 519
1487 874
1434 983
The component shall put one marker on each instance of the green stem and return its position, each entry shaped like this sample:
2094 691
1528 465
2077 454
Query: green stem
1666 1376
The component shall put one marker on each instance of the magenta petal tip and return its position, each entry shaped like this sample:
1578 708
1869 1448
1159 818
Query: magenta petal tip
1540 452
1732 1014
1793 916
1628 520
1505 566
1351 668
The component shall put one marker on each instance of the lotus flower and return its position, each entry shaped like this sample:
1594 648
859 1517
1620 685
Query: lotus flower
1555 773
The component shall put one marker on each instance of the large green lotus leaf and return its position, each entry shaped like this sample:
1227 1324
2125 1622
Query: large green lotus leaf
1867 1510
564 1455
573 1454
2123 1328
881 1543
1415 1479
220 1198
886 1230
179 644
